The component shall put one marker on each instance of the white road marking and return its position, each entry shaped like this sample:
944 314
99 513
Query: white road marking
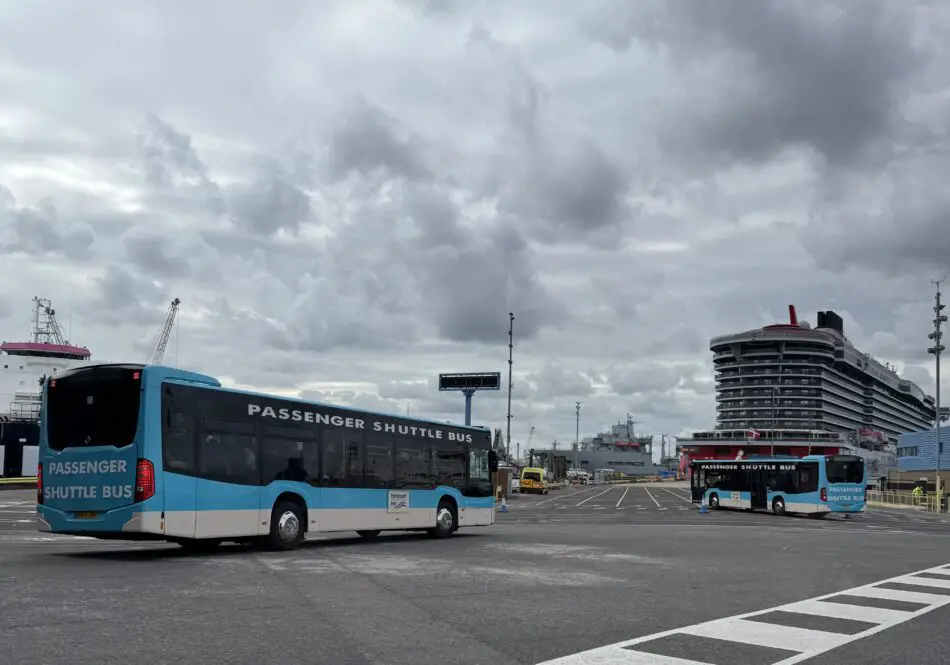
807 642
842 611
652 497
622 496
593 497
677 495
562 496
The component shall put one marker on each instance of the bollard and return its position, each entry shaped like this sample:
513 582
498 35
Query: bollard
504 505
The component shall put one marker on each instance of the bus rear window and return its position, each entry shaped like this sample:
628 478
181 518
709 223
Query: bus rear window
845 472
93 407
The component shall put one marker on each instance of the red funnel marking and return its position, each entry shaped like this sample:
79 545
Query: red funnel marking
792 316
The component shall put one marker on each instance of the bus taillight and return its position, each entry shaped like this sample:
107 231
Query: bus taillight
39 483
144 480
824 494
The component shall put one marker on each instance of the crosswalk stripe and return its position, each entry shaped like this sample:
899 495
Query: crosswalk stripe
774 634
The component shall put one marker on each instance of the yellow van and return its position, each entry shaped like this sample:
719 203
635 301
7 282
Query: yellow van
532 480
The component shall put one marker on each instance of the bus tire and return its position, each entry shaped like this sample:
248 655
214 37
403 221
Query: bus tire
446 519
778 506
286 526
368 533
714 501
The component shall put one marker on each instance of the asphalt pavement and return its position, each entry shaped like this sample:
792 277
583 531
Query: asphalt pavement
638 568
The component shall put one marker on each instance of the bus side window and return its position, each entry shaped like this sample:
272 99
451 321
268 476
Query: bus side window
414 464
449 465
807 477
178 434
229 452
331 464
284 455
378 465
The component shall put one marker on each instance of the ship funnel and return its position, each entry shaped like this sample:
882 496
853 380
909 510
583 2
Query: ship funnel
792 316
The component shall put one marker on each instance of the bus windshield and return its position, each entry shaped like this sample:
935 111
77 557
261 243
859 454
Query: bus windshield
96 406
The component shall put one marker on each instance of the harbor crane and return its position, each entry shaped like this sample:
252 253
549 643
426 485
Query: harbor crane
159 352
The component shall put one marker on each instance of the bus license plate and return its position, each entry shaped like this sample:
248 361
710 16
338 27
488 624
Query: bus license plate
86 516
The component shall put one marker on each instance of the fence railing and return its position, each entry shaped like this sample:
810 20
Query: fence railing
901 499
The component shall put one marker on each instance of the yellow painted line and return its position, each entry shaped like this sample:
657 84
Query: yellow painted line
18 481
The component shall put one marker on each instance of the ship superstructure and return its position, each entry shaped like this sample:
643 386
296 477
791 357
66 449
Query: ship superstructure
618 448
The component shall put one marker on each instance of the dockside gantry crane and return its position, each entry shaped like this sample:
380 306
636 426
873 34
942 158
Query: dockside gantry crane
159 352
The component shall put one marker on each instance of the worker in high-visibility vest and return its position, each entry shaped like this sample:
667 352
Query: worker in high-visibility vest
918 493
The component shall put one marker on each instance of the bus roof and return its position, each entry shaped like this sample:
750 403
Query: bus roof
165 372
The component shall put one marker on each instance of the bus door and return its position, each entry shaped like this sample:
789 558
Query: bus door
758 488
695 488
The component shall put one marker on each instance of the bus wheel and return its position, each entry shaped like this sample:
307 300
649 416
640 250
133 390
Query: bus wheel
714 501
286 526
368 533
778 506
444 520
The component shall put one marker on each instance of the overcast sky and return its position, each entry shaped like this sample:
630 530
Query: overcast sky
349 197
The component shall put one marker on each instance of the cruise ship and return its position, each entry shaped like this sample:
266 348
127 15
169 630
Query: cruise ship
23 366
618 449
791 389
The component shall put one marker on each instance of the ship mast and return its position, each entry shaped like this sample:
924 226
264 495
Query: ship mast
46 328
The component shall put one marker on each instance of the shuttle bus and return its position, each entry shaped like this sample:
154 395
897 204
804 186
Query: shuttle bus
138 452
815 485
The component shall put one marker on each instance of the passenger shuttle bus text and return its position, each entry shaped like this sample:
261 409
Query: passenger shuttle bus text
317 418
750 467
84 467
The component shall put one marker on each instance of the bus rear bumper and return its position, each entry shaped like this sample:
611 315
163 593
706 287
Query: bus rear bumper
124 520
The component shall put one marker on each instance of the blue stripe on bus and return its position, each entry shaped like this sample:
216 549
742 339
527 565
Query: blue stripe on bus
180 494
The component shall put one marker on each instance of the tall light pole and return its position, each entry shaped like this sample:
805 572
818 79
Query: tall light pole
577 430
937 349
511 347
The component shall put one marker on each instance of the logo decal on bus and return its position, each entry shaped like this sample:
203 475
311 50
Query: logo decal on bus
398 502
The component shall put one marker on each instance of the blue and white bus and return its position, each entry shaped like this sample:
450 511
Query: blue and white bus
137 452
815 485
